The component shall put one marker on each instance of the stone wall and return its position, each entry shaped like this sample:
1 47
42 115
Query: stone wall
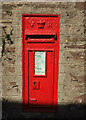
71 54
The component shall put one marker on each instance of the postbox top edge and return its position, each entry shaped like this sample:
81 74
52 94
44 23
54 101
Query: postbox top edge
40 15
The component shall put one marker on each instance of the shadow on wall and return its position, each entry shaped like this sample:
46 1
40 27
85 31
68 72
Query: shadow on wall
13 110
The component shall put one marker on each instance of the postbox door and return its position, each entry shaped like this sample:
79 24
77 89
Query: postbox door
41 65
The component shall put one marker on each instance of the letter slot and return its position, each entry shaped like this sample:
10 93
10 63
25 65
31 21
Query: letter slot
41 38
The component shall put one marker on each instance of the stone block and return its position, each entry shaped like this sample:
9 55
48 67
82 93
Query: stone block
9 57
76 39
9 48
74 16
71 56
80 6
8 70
76 69
12 85
14 99
12 70
75 29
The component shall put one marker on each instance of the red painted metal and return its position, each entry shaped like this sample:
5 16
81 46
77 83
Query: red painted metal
40 33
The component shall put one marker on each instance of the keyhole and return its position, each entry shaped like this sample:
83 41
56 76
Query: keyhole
34 83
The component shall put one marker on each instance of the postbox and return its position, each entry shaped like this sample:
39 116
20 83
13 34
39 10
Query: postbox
40 56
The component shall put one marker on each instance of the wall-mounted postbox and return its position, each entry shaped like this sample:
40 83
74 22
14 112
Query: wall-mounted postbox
40 56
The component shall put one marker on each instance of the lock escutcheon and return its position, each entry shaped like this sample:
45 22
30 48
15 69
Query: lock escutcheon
36 85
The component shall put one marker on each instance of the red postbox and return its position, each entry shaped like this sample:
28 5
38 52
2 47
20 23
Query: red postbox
40 55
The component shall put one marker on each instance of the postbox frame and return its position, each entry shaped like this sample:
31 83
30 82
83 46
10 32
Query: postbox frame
25 82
